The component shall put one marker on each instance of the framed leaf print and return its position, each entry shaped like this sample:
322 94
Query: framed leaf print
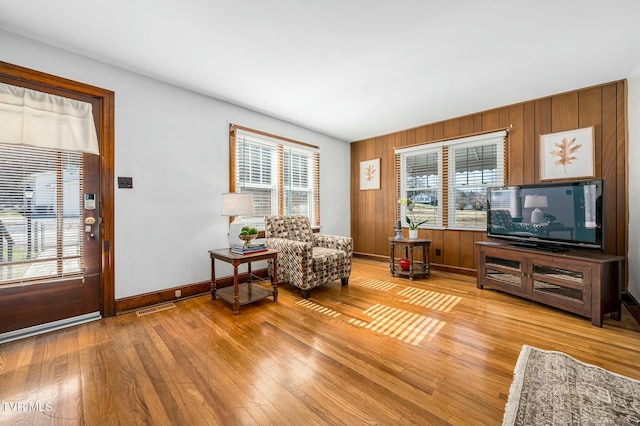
567 155
370 174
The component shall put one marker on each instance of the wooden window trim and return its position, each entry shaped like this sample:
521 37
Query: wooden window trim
280 184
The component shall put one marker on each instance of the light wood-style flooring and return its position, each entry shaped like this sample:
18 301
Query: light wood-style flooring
383 351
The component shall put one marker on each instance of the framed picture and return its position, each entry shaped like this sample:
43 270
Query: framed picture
567 155
370 174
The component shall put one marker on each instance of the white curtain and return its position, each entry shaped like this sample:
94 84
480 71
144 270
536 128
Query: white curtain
29 117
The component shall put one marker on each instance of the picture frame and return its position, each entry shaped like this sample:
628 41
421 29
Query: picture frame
370 174
567 155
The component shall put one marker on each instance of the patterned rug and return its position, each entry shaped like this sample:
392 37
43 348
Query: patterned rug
552 388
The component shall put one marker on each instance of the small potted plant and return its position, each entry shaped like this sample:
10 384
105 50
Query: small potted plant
410 217
247 234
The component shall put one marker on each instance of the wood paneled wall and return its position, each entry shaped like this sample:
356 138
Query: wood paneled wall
373 212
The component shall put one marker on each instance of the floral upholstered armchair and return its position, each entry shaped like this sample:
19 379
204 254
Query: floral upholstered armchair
307 260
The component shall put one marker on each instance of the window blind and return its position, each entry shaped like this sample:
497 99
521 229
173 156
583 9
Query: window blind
421 182
474 166
40 214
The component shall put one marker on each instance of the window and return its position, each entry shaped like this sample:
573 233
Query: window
298 188
41 232
448 180
421 181
282 175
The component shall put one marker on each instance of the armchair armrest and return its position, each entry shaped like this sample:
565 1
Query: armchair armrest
335 242
292 247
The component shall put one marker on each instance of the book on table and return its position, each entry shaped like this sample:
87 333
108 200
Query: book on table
252 248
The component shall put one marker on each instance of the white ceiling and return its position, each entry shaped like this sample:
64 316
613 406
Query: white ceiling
351 69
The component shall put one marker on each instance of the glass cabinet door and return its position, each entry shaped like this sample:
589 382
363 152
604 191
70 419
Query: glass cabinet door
507 271
559 282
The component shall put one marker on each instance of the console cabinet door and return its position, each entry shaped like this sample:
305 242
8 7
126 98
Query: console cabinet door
502 269
565 285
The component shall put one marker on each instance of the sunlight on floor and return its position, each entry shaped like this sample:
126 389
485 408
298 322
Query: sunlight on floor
306 303
375 284
430 299
399 324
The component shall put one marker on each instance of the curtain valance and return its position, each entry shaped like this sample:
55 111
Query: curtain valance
30 117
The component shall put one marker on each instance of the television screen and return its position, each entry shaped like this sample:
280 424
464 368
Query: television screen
561 214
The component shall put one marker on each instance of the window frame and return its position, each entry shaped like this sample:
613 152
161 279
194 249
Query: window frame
280 145
446 173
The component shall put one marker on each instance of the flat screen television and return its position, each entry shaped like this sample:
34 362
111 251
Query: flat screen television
553 216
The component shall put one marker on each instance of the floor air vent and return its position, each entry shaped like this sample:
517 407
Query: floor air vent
153 309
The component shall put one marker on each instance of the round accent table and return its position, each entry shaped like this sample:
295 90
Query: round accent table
405 248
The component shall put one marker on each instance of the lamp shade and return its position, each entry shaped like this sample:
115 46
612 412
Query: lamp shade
237 204
535 201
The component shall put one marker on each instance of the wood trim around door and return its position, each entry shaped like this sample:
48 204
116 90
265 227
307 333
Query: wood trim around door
106 131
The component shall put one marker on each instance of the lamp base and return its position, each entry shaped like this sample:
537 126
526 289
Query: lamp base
537 216
235 228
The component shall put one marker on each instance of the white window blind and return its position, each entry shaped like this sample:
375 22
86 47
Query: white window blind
40 206
298 182
47 121
448 180
421 182
474 166
256 171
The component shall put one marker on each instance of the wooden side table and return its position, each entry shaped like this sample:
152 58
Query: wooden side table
242 294
409 244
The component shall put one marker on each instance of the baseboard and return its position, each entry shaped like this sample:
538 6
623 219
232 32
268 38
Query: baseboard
632 305
133 303
372 257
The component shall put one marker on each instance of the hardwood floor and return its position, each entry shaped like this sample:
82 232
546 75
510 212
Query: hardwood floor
381 351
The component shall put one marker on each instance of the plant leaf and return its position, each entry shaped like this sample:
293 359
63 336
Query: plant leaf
564 152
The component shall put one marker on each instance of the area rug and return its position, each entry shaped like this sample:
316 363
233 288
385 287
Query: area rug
552 388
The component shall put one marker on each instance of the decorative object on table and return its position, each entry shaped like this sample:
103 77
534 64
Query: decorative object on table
410 216
567 155
248 234
536 202
370 174
236 204
551 387
248 248
399 230
404 264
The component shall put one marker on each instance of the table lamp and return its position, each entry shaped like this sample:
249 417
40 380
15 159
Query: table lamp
236 204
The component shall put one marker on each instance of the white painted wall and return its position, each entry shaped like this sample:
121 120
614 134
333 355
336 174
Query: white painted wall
174 143
634 181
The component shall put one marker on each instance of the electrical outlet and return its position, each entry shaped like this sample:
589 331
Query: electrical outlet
437 252
178 294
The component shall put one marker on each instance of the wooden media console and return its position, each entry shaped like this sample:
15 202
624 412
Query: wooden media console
579 281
